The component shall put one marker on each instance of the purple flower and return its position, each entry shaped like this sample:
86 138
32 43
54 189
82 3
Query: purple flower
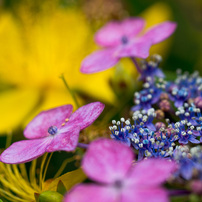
147 97
184 133
186 86
151 68
53 130
186 164
122 39
179 95
109 163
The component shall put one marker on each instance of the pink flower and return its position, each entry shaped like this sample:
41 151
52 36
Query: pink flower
109 163
53 130
123 39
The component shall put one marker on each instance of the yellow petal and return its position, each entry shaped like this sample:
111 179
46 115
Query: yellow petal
47 44
15 106
11 51
97 85
155 14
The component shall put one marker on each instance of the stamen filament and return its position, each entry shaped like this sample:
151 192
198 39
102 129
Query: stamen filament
46 167
41 169
32 176
10 196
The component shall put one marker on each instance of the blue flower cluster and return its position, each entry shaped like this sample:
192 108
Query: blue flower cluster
166 118
151 69
140 134
185 88
159 140
190 162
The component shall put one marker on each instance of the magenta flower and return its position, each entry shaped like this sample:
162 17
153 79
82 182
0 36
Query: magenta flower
123 39
109 163
53 130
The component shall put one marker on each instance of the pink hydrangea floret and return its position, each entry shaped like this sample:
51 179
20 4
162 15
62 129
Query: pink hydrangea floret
109 163
52 130
124 39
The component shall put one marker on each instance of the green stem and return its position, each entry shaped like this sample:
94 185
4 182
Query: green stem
9 139
62 167
136 64
70 91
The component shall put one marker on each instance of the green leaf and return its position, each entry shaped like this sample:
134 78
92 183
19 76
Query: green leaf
50 196
195 198
36 196
69 180
61 188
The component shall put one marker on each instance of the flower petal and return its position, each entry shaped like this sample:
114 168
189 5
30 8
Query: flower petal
147 195
86 115
187 169
160 32
90 192
194 140
132 26
66 141
135 48
112 33
38 127
109 35
25 150
107 160
99 61
15 105
151 172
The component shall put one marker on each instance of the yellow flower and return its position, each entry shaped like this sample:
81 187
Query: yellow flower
18 185
36 48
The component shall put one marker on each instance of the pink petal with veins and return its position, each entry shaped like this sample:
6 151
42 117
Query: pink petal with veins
66 141
86 115
25 150
107 160
38 127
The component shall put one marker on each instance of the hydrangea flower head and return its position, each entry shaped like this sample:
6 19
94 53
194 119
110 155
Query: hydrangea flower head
146 97
151 68
186 86
189 161
118 179
53 130
151 141
123 39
